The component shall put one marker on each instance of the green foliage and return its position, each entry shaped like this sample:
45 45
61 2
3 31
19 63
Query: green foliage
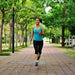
27 10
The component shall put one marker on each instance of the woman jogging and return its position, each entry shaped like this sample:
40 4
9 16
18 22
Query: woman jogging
37 32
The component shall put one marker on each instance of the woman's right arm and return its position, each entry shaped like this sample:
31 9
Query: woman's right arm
32 34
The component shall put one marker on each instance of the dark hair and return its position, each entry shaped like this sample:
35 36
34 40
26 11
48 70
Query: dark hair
39 19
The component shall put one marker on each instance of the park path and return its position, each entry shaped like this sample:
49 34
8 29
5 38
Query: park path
52 62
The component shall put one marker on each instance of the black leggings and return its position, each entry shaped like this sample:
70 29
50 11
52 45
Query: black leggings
38 46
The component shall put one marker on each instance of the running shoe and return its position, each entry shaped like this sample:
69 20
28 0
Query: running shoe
36 63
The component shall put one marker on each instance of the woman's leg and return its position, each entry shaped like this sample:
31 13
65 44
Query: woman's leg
35 43
36 52
40 49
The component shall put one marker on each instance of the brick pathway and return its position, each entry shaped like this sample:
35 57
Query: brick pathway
52 62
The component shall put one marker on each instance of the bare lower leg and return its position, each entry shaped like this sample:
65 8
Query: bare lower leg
36 56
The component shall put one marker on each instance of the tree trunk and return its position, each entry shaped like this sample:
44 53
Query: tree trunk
63 39
10 42
63 27
72 42
26 35
5 33
69 38
22 36
30 37
1 28
16 35
20 39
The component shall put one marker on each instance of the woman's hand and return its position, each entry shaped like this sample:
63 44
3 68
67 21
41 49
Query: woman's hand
31 39
40 32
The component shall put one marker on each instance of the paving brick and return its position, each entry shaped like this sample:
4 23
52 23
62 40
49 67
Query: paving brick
52 62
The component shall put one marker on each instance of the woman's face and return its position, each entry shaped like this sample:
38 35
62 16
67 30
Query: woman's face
37 21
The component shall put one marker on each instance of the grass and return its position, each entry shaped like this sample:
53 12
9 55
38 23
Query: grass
66 49
16 48
20 47
5 53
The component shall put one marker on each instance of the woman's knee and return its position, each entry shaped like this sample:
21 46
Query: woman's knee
36 52
40 51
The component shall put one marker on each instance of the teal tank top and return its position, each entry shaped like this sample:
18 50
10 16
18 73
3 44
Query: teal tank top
37 36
